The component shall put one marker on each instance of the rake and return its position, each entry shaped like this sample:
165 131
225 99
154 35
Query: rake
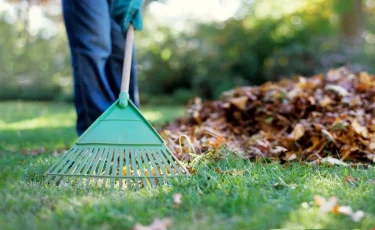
120 149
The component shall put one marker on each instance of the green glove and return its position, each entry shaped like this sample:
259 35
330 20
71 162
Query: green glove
128 11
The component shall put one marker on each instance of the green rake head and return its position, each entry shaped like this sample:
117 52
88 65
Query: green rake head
120 150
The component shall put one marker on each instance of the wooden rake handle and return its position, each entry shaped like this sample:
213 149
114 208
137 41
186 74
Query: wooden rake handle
127 59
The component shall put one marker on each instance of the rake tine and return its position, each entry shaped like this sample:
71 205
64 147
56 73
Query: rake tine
90 159
69 155
169 154
114 167
108 166
134 166
147 166
127 161
161 167
122 152
102 161
153 165
166 163
172 162
94 165
140 164
68 165
81 164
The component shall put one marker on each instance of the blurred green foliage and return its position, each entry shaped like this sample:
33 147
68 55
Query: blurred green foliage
266 40
33 68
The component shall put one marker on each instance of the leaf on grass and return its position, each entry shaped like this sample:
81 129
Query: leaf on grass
177 199
346 210
371 182
332 161
327 206
157 224
351 179
35 152
332 206
236 172
192 170
358 216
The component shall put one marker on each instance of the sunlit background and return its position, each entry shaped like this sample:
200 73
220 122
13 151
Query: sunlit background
192 47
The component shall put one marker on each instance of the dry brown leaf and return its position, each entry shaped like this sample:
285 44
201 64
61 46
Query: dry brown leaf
236 172
338 89
371 182
332 161
351 179
256 120
290 156
325 101
297 132
157 224
358 128
239 102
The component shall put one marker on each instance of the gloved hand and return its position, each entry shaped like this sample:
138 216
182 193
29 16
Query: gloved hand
128 11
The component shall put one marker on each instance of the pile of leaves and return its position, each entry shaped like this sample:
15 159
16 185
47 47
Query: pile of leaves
327 116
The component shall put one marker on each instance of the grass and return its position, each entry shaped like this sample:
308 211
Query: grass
249 196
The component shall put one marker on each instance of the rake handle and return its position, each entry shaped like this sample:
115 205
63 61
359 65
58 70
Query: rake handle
127 59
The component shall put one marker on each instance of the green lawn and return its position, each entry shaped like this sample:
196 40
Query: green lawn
249 196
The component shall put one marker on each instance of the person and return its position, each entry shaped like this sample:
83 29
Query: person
96 33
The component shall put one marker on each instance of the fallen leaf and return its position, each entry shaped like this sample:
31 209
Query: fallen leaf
236 172
191 170
358 216
332 113
358 128
338 89
239 102
332 161
332 206
329 206
325 101
371 182
157 224
218 170
351 179
297 132
329 135
305 205
290 157
279 149
177 199
346 210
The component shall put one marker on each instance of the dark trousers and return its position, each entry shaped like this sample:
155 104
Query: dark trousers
97 51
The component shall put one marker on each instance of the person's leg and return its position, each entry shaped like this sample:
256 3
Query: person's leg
88 26
115 64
